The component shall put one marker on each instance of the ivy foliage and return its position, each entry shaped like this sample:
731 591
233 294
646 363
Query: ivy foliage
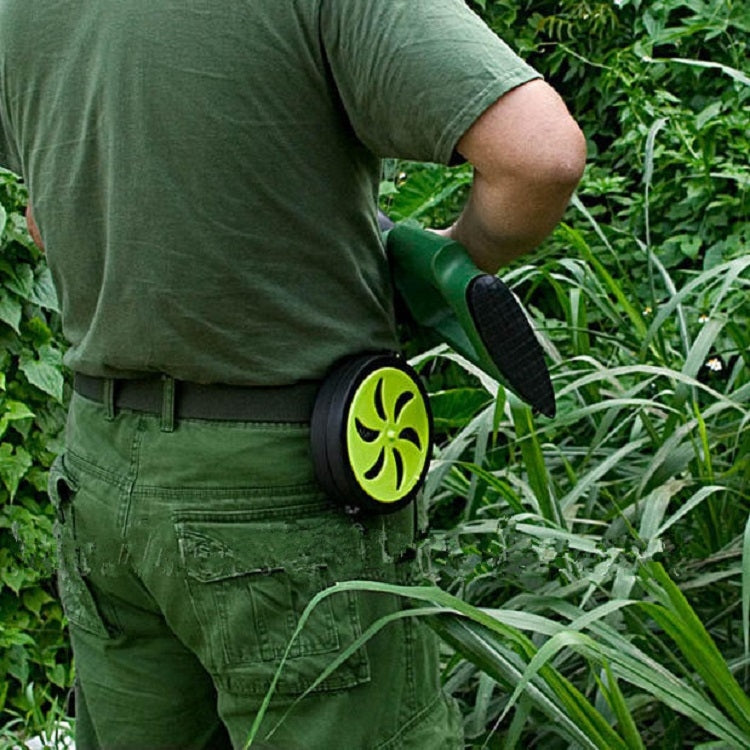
35 669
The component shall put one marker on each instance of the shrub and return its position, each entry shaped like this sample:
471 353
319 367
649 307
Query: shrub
34 654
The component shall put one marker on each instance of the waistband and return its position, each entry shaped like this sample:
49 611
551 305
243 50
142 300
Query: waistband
181 399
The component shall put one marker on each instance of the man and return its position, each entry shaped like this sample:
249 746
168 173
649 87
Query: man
203 176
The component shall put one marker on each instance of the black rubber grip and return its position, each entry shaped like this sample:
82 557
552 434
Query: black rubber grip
510 341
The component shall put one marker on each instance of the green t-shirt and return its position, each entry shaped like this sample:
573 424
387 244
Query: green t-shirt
204 174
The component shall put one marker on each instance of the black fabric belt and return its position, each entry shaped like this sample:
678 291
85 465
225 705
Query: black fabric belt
286 403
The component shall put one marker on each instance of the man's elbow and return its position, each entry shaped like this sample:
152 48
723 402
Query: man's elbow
551 160
564 165
527 136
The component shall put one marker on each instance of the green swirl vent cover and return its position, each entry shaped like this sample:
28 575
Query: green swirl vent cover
371 433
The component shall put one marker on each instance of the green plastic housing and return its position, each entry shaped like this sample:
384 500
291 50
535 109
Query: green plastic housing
472 311
432 274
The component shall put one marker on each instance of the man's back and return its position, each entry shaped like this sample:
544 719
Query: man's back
204 175
203 202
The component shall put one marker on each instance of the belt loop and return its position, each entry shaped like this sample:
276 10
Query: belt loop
167 403
108 398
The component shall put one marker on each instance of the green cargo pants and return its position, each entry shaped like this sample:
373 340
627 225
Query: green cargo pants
186 558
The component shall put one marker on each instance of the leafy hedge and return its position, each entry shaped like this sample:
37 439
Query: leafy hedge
34 653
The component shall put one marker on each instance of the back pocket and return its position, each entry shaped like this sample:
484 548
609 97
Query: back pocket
78 602
251 579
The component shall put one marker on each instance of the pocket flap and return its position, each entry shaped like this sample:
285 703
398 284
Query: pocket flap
226 545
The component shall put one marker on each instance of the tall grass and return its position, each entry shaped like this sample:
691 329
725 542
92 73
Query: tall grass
615 538
598 521
593 571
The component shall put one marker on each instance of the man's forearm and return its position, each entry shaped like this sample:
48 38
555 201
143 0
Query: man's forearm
509 218
33 228
528 156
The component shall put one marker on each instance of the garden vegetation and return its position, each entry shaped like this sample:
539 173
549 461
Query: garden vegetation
590 573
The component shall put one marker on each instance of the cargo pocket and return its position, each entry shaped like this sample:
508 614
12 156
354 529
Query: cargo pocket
77 600
250 581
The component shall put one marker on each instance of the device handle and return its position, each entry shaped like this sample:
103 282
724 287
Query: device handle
475 312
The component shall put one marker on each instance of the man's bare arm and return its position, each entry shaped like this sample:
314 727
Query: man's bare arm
528 156
33 228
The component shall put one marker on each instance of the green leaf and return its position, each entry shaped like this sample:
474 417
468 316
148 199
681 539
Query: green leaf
44 293
635 317
708 113
22 281
679 620
13 412
573 715
37 332
45 372
58 675
746 588
387 187
11 311
455 407
648 172
733 73
14 463
14 578
35 598
611 691
18 664
568 711
531 450
689 505
594 476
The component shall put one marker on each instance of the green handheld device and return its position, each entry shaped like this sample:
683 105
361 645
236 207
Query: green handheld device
474 312
371 426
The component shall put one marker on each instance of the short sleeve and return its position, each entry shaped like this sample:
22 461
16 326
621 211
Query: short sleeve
8 154
414 75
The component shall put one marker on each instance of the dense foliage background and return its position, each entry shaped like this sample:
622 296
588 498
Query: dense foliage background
34 655
601 560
